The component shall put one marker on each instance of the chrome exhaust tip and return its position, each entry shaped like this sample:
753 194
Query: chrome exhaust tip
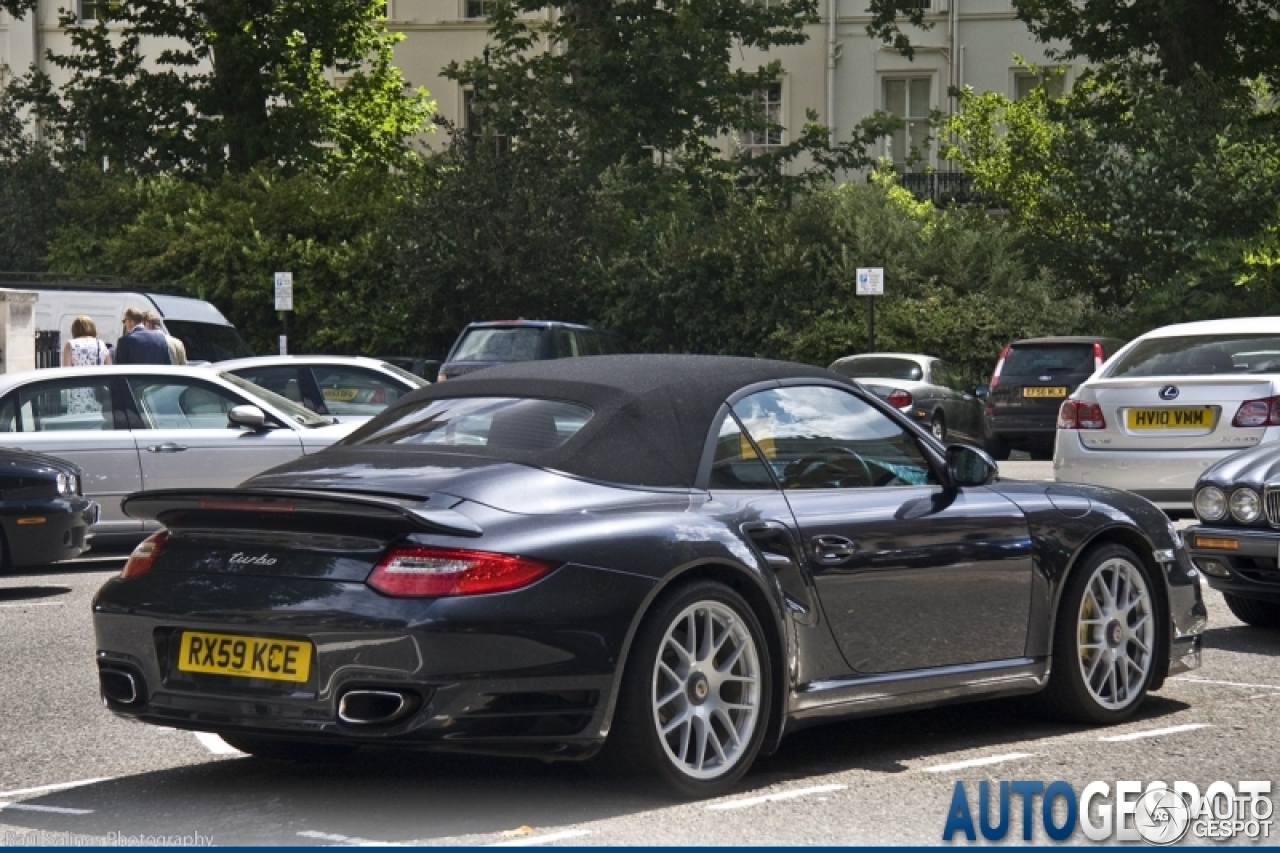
372 707
119 687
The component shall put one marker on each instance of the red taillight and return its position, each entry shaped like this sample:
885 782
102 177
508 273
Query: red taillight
1077 414
379 395
1098 356
144 555
899 399
1256 413
416 571
995 374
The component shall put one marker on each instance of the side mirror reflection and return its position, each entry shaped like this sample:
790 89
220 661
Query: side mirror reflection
969 466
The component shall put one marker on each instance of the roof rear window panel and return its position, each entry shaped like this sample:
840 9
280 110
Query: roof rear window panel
495 425
1048 358
1200 355
501 344
882 368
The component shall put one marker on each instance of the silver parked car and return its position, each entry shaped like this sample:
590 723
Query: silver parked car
343 387
147 427
922 387
1170 404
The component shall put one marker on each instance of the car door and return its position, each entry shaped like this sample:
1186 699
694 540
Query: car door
910 574
963 409
80 420
184 438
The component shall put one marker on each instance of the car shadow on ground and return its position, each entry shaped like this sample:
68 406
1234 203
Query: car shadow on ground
1243 638
29 593
398 796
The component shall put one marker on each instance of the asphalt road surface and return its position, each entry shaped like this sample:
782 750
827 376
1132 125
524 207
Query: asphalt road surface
72 773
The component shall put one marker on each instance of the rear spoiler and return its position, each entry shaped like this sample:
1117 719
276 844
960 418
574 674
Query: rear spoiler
292 509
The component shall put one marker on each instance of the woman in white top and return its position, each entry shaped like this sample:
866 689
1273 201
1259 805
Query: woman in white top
84 348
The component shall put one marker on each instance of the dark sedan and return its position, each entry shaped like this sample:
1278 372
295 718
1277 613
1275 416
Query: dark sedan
1237 543
43 512
664 562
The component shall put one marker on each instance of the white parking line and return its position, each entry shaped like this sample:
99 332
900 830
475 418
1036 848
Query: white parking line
346 839
1243 684
51 809
36 604
977 762
1172 730
535 840
61 786
215 744
773 798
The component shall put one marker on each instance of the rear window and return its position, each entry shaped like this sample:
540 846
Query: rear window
1198 355
1048 358
881 368
507 344
495 424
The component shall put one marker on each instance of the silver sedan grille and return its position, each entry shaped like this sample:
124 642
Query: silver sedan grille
1271 502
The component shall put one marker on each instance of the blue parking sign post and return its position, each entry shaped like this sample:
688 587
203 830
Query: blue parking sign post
870 283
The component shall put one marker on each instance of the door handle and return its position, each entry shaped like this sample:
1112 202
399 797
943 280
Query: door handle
832 550
167 447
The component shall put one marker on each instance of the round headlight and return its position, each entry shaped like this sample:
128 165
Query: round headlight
1245 506
1211 504
65 485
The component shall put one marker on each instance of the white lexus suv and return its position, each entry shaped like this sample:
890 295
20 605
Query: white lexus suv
1171 403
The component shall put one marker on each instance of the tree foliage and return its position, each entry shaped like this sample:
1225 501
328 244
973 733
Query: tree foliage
215 85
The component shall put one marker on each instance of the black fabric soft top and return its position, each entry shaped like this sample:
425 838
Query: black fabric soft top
651 412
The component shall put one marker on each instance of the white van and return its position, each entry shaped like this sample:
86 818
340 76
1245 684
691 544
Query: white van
206 334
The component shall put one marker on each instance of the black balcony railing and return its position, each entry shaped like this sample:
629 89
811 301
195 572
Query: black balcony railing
940 187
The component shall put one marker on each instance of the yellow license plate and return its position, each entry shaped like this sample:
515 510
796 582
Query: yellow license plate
1201 417
249 657
341 395
1047 391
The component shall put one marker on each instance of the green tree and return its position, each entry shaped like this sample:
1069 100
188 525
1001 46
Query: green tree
30 185
237 83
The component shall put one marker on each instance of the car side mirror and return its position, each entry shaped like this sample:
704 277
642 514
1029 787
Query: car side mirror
250 417
982 392
969 466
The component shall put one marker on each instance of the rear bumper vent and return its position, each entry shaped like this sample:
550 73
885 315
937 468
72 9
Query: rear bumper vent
551 714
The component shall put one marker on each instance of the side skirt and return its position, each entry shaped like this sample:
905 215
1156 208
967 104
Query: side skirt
824 701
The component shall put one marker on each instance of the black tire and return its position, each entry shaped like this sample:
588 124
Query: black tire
1251 611
636 747
281 749
938 427
998 448
1103 659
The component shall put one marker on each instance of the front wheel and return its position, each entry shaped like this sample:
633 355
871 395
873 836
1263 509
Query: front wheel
938 426
1105 640
695 697
1251 611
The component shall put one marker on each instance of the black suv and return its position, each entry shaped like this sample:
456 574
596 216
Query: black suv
486 344
1030 381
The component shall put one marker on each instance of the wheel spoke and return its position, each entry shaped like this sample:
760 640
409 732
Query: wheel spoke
681 651
734 657
676 722
729 727
716 645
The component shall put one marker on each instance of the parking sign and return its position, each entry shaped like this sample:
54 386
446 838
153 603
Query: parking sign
870 281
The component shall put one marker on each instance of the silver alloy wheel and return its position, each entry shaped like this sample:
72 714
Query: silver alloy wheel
938 428
706 690
1115 634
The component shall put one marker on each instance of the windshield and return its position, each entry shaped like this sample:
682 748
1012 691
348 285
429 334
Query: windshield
300 414
1198 355
496 424
208 341
881 368
514 343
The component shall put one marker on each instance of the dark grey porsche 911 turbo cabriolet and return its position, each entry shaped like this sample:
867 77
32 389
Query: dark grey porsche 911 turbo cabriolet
665 562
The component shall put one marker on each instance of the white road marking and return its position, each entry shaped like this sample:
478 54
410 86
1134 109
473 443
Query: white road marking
1171 730
773 798
215 744
36 604
977 762
346 839
535 840
1225 683
52 809
61 786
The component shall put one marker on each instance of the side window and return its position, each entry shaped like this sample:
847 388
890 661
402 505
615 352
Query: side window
75 404
9 414
943 375
564 345
353 391
169 403
736 464
815 437
285 381
590 343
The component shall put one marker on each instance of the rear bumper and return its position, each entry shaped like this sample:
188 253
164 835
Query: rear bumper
525 673
1252 569
1166 478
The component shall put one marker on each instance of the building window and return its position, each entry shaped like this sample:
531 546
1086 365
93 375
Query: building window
1024 83
768 103
911 5
474 124
98 10
479 8
909 99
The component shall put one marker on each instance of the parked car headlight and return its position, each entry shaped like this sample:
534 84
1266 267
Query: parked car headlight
1211 504
66 484
1246 506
